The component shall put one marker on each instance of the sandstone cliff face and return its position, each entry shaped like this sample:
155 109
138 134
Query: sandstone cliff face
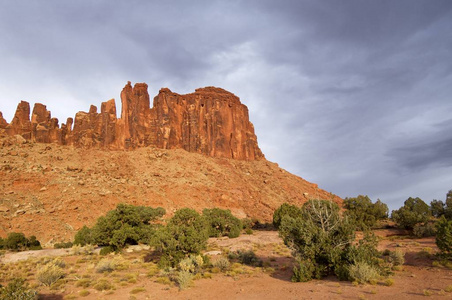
3 122
210 121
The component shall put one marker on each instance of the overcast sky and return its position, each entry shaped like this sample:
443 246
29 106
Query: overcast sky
355 96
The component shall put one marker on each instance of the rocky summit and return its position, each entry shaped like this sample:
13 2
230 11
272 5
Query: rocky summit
210 121
197 150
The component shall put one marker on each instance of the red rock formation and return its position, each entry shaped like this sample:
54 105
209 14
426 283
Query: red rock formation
210 121
3 122
108 123
21 122
40 123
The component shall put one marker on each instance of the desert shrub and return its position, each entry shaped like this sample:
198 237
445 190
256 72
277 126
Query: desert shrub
221 263
18 289
444 236
49 274
103 285
363 212
84 282
186 233
138 290
17 241
305 271
414 211
285 209
389 282
184 279
191 264
424 229
363 273
127 224
321 241
247 224
448 206
83 237
437 207
397 257
63 245
221 222
107 265
246 257
57 262
33 243
106 250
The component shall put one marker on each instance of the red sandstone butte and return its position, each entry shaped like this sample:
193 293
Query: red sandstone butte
210 121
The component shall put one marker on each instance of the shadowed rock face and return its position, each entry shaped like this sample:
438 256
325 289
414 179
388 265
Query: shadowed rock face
210 121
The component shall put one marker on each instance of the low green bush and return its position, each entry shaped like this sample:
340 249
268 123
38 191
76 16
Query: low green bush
103 285
63 245
285 210
363 212
125 225
184 279
106 250
323 242
444 236
397 257
363 273
186 233
221 263
84 237
424 230
49 274
221 222
414 211
191 264
106 265
18 289
246 257
16 241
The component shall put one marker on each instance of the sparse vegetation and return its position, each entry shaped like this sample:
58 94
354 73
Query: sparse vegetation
138 290
221 263
184 279
397 257
222 223
106 265
127 224
444 236
18 289
363 212
185 234
16 241
424 229
246 257
321 241
103 285
50 273
285 210
363 273
84 237
63 245
414 211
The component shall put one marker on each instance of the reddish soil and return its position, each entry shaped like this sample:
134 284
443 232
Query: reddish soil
51 191
416 279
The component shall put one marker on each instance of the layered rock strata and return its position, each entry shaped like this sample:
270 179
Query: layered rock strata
210 121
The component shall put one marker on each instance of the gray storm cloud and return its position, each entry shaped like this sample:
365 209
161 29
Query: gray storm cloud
353 95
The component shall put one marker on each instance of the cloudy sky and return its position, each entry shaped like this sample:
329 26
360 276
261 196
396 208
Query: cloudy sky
354 95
